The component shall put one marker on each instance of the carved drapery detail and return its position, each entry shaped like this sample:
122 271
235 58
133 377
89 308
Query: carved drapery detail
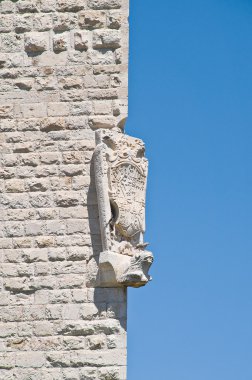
121 175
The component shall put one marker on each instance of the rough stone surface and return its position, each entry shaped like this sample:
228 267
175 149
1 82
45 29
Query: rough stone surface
63 74
121 175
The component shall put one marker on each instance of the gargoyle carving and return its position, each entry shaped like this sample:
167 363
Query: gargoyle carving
121 175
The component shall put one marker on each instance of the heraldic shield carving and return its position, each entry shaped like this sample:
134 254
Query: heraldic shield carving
121 171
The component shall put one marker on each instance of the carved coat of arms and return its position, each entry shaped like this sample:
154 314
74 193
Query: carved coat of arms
121 174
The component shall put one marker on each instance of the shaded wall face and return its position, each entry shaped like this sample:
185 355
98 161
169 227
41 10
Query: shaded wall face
63 74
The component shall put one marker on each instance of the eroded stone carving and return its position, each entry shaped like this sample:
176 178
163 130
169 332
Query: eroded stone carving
121 174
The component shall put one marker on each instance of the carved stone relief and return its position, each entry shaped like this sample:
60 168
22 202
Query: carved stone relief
121 174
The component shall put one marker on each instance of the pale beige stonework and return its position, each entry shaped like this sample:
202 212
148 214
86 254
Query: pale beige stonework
63 75
121 170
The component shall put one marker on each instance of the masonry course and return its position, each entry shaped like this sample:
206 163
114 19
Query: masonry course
63 75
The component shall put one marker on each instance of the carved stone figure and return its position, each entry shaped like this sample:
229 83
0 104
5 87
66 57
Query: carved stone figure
121 175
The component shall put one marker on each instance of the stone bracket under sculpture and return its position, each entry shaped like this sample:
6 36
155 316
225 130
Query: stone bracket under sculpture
121 175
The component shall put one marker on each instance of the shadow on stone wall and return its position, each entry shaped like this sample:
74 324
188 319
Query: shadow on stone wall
112 301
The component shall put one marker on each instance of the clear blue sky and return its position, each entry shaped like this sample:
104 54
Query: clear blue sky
190 94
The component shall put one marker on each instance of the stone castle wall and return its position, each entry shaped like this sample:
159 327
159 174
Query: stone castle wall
63 74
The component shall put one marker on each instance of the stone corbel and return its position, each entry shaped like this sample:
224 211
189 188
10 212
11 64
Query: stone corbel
120 175
121 270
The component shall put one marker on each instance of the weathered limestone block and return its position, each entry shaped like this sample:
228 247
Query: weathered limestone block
104 4
58 109
27 6
6 111
31 110
42 23
70 5
24 84
44 83
60 42
23 23
14 186
115 20
81 40
36 42
106 39
6 24
7 6
63 22
48 6
106 122
92 19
